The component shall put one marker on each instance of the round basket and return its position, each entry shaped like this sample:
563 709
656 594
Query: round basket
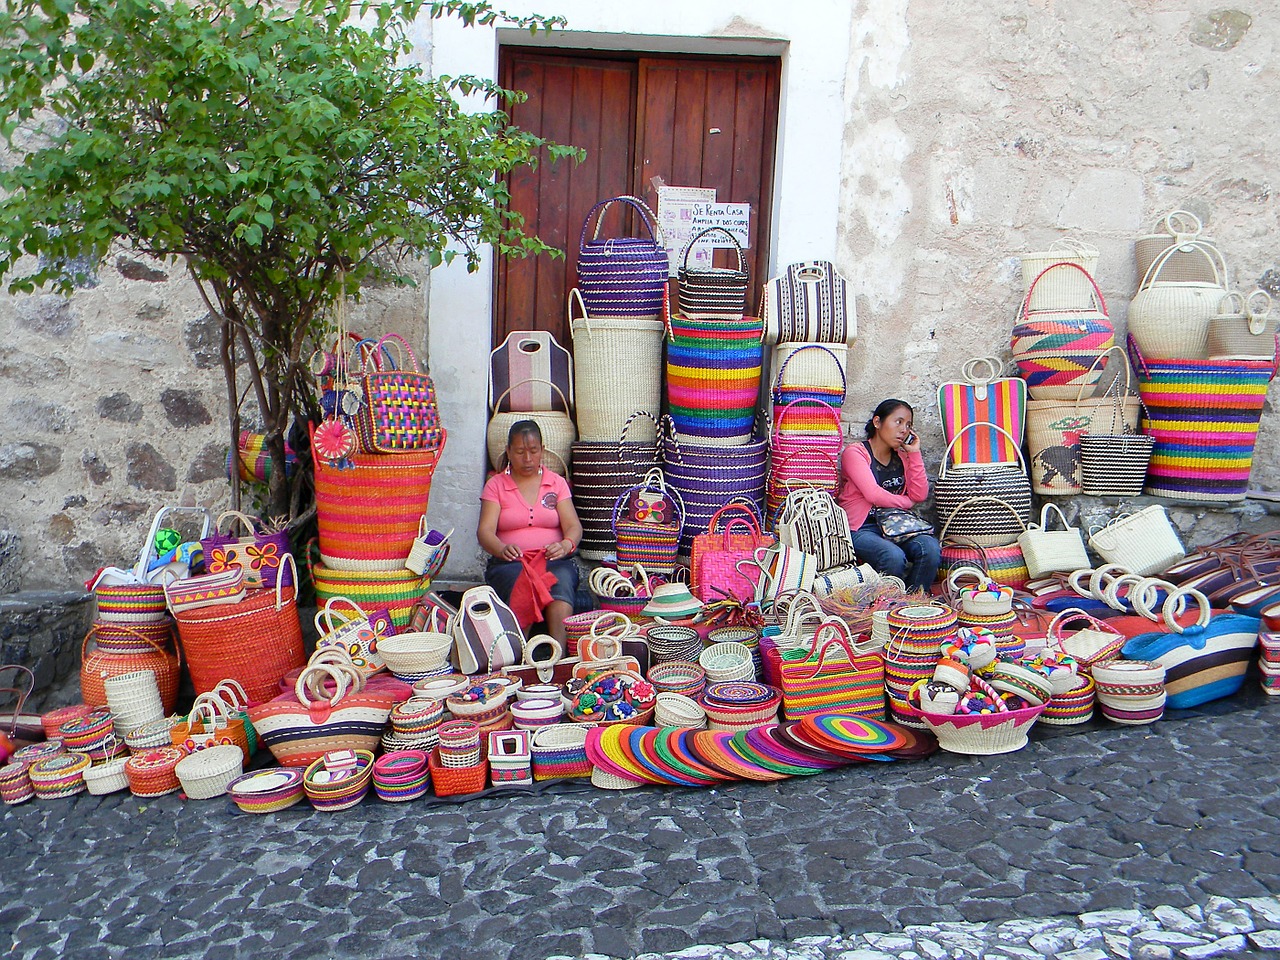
59 776
266 791
153 774
532 714
134 700
15 784
207 773
677 710
415 653
392 742
678 676
54 719
740 705
124 639
417 716
88 732
38 751
108 777
1071 708
333 795
669 642
149 736
727 661
983 734
401 775
478 701
131 602
559 752
441 688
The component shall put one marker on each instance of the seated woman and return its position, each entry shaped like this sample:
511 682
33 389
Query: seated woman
526 511
886 470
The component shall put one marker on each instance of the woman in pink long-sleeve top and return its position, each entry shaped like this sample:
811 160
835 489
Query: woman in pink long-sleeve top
886 470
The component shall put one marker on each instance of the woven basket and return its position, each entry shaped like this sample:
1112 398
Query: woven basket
368 512
457 781
130 602
417 652
1169 319
397 590
401 775
1242 331
1006 485
125 638
603 346
599 474
984 734
207 773
1057 350
96 666
339 794
727 661
652 545
813 371
54 719
134 700
254 642
713 378
154 774
677 710
15 784
708 477
1144 543
679 677
59 776
559 752
622 276
149 736
558 432
1171 233
712 291
1062 289
266 791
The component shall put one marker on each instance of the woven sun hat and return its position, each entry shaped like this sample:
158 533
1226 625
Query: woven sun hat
672 601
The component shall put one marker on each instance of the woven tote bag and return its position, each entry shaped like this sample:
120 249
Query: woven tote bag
814 371
1172 233
714 291
1144 543
708 476
260 555
713 378
836 675
812 521
617 372
558 433
732 534
1056 350
254 642
647 522
623 276
984 397
804 452
399 412
1005 565
1243 328
534 372
808 303
1006 483
600 472
1063 289
1053 551
368 512
1203 416
1169 319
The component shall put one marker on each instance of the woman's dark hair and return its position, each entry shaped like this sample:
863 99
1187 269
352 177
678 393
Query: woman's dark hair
884 411
524 428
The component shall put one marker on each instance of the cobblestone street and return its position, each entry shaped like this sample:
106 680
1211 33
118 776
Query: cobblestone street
1179 822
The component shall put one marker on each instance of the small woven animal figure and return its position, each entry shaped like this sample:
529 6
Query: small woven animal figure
1061 462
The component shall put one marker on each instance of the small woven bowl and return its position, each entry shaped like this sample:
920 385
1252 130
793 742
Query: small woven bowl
107 777
727 661
332 796
266 791
677 710
678 676
207 773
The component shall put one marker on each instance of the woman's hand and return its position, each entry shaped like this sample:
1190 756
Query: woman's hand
912 443
510 552
559 550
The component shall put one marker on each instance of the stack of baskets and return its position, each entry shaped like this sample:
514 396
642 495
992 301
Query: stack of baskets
1204 355
370 504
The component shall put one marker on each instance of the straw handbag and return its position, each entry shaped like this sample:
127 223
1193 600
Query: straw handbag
255 641
985 397
603 347
558 433
715 291
1051 551
486 634
1144 543
810 370
259 555
355 629
1172 232
623 276
647 522
716 553
836 674
1006 484
1055 349
1169 319
1064 289
399 413
808 303
1243 328
532 371
812 521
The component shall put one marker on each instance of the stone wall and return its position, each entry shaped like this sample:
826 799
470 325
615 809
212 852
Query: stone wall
973 131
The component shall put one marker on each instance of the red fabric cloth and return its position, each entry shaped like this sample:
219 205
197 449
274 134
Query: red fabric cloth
532 590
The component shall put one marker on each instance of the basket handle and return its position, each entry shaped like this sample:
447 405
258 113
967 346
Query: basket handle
1207 250
942 534
519 383
736 512
1044 517
244 519
615 622
777 381
1026 303
1146 592
339 677
986 425
137 635
1173 222
1170 609
325 615
1257 318
401 344
231 691
1071 615
1073 245
21 694
840 639
684 258
638 205
1128 380
994 369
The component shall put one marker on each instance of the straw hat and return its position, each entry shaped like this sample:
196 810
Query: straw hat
672 601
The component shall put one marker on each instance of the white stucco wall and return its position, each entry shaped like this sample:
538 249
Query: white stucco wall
814 51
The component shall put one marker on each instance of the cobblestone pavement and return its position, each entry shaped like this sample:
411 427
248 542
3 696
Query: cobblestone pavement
912 859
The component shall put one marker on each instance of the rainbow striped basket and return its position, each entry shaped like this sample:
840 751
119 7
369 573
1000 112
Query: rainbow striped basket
641 540
1203 416
713 377
560 752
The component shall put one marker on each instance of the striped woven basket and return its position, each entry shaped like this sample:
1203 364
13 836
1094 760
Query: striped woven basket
1203 416
368 512
600 472
713 378
651 545
708 477
395 590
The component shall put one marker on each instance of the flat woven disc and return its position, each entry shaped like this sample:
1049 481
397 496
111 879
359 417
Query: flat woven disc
841 732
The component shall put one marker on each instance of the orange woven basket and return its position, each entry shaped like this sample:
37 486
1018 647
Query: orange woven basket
97 666
255 641
456 781
368 512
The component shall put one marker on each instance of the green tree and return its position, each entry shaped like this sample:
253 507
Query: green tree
283 151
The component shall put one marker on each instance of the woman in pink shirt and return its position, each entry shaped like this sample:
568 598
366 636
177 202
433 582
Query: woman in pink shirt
886 470
524 510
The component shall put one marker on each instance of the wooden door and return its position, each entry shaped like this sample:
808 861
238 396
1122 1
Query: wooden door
704 121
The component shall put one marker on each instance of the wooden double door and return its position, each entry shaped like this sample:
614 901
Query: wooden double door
642 119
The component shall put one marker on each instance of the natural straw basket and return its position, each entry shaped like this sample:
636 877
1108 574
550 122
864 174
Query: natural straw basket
677 710
983 734
134 700
207 773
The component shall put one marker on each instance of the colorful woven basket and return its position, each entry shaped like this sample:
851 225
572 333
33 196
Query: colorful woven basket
131 602
333 795
16 786
623 276
96 666
1203 416
154 774
368 512
455 781
648 543
713 378
1056 349
983 734
402 775
397 591
708 477
59 776
266 791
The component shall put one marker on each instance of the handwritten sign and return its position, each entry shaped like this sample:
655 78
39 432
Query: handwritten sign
732 217
675 217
